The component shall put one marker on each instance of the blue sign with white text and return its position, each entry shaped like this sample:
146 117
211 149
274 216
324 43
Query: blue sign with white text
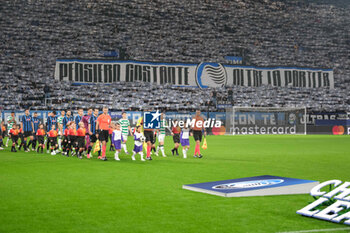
151 120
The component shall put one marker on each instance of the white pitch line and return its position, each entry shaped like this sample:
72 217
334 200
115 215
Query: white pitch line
319 230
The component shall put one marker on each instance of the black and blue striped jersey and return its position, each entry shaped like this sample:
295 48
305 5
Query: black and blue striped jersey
27 123
65 121
51 121
36 123
77 120
93 124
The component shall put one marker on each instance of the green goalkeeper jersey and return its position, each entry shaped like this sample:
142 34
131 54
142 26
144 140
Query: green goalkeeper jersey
124 123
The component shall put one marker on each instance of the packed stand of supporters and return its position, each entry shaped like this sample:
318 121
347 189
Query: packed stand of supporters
20 94
270 32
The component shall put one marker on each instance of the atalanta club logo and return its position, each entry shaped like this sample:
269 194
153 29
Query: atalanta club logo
248 184
210 74
292 118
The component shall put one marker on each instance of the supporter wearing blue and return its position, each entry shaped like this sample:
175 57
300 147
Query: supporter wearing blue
28 128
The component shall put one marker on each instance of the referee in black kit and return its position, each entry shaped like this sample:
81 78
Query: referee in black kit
28 129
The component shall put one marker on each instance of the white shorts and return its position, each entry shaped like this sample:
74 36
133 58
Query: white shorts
161 137
125 137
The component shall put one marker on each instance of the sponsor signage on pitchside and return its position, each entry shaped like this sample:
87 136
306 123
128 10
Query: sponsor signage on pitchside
338 130
254 186
333 206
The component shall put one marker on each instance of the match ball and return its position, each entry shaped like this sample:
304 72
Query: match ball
142 138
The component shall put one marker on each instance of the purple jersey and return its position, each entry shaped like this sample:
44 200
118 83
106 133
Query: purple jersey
117 139
86 120
138 144
184 137
137 138
117 136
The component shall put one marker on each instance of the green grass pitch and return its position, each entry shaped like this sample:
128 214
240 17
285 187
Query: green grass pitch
45 193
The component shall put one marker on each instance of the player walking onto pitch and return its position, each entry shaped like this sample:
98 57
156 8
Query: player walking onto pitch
125 125
61 128
28 129
86 120
36 123
139 140
117 139
11 120
102 127
67 118
161 135
197 133
79 117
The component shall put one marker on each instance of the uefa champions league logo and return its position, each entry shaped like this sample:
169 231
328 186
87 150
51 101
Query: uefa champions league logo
209 74
151 120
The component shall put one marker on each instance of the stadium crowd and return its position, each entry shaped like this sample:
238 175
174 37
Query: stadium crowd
289 33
